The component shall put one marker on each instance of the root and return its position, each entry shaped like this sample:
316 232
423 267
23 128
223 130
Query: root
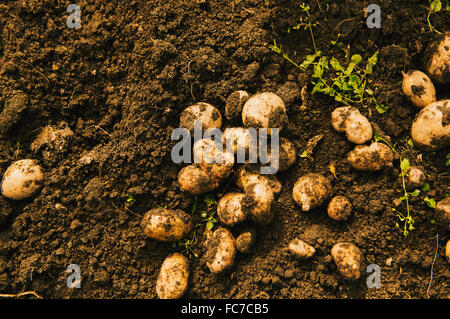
22 294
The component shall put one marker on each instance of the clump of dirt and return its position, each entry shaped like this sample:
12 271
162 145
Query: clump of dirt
121 81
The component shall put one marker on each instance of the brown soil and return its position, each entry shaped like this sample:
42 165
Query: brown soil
120 83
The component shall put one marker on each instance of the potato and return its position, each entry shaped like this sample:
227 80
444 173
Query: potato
355 125
339 208
22 179
221 250
416 177
258 202
438 64
216 163
431 128
173 277
287 154
207 114
235 104
442 212
166 225
447 250
311 191
418 87
195 181
229 209
235 138
371 158
264 110
348 259
246 240
247 176
301 250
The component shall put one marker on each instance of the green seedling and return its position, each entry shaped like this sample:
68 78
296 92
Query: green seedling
430 202
130 198
447 163
406 219
204 215
435 7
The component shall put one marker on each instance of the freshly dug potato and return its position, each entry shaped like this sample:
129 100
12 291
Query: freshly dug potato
418 87
235 104
166 225
229 209
173 277
246 240
371 158
287 154
442 212
438 65
235 138
215 162
22 179
416 177
247 176
339 208
264 110
431 128
258 202
207 114
300 249
194 180
311 191
348 259
447 250
355 125
221 250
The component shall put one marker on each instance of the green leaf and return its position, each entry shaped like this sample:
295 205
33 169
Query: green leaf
381 108
426 187
404 165
209 225
411 143
430 202
378 138
415 193
356 59
447 163
336 65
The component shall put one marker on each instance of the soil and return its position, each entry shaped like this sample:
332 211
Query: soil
120 83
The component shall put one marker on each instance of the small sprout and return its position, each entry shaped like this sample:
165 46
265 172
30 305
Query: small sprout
430 202
130 198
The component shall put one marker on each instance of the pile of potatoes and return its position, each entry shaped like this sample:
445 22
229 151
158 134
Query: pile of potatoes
255 195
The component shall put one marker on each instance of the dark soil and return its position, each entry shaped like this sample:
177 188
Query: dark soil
120 83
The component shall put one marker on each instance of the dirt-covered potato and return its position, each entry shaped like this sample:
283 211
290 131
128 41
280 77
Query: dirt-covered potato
417 86
416 177
431 128
246 240
301 250
247 176
235 104
264 110
371 158
235 138
447 250
442 212
311 191
196 181
22 179
287 154
438 65
355 125
173 277
258 202
229 209
339 208
221 250
348 259
166 225
207 114
215 162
